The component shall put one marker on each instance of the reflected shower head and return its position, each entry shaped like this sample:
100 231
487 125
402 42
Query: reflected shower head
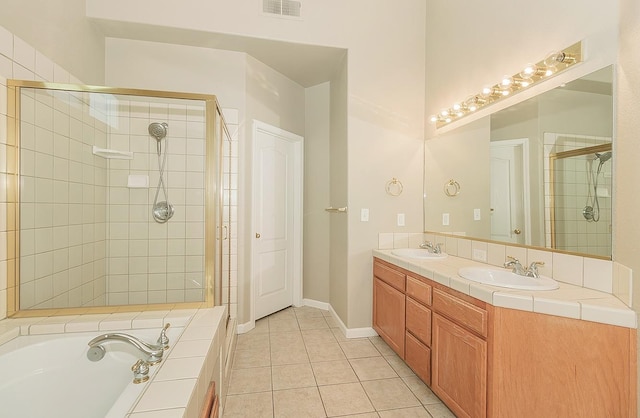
603 156
158 130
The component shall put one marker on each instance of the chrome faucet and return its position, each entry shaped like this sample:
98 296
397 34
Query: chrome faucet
96 351
435 249
518 269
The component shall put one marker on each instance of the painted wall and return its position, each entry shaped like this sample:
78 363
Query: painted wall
60 32
316 192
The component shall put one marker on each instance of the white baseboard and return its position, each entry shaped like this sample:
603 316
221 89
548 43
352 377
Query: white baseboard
316 304
352 332
246 327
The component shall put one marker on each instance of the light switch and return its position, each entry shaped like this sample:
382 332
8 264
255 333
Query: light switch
401 219
364 215
445 219
476 214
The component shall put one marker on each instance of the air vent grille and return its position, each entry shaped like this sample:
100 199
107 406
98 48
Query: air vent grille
282 7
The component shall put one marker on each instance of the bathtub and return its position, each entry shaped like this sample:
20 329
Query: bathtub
50 375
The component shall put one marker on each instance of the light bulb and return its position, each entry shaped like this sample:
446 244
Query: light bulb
456 106
530 71
433 118
444 112
507 81
447 120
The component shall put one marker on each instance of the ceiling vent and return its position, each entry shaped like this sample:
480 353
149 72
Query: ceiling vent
289 8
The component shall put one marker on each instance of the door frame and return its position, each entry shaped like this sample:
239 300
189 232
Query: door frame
298 189
526 178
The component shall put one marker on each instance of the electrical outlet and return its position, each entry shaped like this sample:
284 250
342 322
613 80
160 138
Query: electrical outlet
445 219
480 255
364 215
401 219
476 214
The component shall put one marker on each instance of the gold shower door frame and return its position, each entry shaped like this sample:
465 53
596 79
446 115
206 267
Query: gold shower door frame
215 129
559 156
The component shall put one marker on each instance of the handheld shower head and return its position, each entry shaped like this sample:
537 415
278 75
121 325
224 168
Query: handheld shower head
158 130
603 156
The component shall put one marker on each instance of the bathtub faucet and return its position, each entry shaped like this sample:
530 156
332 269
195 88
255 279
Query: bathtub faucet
97 351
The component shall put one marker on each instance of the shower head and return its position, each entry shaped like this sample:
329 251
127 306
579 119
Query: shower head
603 156
158 130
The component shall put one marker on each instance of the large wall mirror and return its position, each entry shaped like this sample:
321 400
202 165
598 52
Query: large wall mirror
538 173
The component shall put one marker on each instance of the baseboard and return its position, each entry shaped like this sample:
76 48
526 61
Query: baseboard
352 332
316 304
246 327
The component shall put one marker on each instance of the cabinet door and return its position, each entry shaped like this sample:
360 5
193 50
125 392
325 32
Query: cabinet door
388 315
459 368
418 357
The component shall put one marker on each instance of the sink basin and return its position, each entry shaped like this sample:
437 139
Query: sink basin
420 253
505 278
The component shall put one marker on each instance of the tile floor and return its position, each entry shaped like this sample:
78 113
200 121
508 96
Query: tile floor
296 363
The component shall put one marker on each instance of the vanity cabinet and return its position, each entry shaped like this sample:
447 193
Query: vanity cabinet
487 361
389 306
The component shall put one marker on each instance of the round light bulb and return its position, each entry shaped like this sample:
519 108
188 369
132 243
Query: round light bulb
507 81
529 71
447 120
444 112
456 106
433 118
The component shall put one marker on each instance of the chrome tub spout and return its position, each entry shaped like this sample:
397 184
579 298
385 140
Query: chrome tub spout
153 351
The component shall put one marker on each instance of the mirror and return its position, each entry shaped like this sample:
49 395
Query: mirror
538 173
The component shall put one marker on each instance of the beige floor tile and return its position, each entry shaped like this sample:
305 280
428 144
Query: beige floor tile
252 341
283 314
417 412
284 324
334 372
286 339
318 336
367 415
371 368
262 326
421 391
312 323
325 352
358 348
293 376
349 398
298 403
439 411
308 312
390 394
283 355
331 321
337 332
256 379
254 405
382 346
251 358
399 366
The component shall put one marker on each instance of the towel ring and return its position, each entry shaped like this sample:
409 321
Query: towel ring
394 187
452 188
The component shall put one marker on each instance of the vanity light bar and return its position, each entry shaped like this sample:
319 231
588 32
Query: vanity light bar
554 63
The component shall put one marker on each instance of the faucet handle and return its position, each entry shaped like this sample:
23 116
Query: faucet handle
163 340
511 261
140 371
533 268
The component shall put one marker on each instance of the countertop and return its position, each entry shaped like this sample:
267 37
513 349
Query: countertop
568 300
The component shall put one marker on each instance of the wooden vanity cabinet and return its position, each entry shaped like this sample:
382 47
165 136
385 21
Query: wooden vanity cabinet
418 327
389 306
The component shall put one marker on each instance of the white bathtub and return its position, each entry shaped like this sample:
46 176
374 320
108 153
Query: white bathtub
50 376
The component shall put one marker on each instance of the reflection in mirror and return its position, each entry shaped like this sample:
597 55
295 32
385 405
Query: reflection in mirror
503 165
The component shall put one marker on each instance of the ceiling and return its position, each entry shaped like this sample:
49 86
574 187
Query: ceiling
307 65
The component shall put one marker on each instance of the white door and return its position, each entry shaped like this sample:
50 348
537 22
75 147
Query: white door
510 192
277 219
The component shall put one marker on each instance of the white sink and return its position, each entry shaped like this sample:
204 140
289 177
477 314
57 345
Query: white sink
420 253
505 278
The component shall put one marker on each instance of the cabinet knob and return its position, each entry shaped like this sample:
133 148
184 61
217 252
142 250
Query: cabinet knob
257 235
517 231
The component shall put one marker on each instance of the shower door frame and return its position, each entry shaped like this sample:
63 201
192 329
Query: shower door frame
552 159
213 216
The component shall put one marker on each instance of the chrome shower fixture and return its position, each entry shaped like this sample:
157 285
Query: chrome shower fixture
161 211
158 130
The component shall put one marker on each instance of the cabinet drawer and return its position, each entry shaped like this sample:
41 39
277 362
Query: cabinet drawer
419 290
464 313
388 275
418 321
418 357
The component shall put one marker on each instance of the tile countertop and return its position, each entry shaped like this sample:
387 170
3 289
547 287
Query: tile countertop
568 300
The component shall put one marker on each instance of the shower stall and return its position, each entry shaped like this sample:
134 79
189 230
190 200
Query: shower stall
115 197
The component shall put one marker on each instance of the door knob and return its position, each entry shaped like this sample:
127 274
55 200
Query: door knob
517 231
257 235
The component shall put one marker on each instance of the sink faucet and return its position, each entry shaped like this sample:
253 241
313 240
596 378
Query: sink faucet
515 265
435 249
518 269
96 351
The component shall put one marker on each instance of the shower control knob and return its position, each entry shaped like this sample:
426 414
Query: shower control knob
517 231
